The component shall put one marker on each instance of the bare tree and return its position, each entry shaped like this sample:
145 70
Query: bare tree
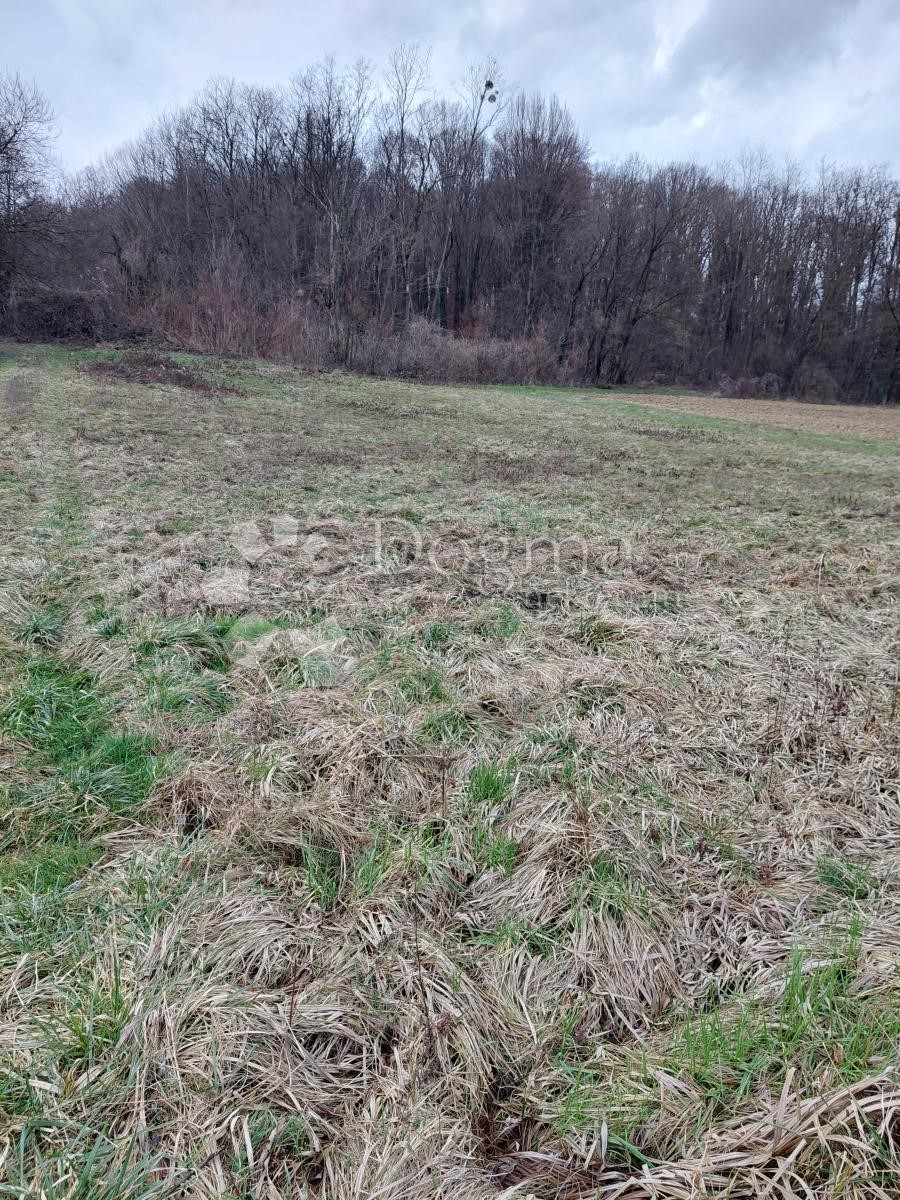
541 180
460 134
26 124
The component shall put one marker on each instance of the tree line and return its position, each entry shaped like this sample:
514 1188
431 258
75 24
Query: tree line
359 220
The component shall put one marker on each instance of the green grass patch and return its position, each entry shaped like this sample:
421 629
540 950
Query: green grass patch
204 640
608 888
48 868
449 725
853 880
499 623
488 785
83 765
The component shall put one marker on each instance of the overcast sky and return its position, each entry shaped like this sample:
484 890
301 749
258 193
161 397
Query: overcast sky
690 79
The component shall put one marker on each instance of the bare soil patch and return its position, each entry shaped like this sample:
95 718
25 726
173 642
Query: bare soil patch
154 369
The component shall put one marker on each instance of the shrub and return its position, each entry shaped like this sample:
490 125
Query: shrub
768 386
51 316
427 353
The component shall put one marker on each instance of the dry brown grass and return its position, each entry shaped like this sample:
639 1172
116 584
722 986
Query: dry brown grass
848 420
473 868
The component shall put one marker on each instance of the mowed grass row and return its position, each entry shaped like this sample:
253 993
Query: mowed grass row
426 791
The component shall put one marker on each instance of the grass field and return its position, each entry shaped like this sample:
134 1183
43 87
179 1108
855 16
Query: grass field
418 791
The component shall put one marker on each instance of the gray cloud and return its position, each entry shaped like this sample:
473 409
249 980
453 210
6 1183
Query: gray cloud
667 78
750 42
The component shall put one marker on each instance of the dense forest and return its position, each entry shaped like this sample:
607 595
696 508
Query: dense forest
357 219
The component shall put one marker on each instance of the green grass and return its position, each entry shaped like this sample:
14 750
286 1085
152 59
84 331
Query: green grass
597 634
500 622
43 629
65 721
512 933
449 726
439 635
54 707
193 695
499 853
853 880
49 868
203 640
87 775
252 628
488 785
608 888
324 872
818 1021
730 1051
